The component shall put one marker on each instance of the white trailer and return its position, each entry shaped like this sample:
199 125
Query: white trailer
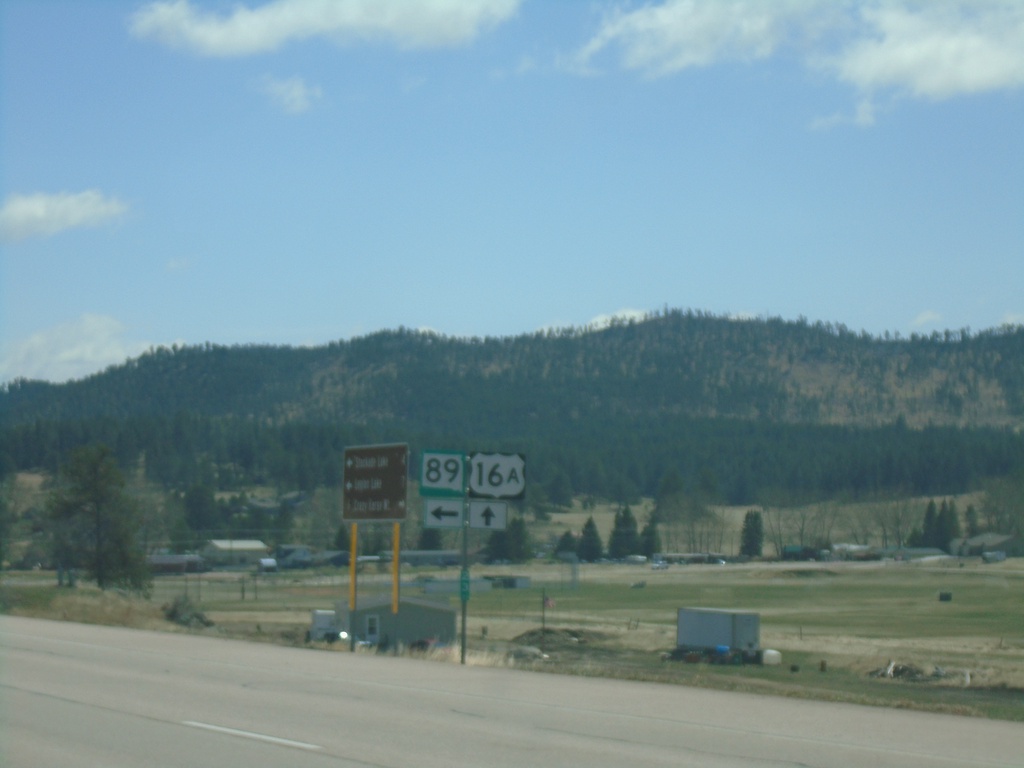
323 627
712 628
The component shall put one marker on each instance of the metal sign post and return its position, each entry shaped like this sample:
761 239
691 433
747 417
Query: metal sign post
464 582
482 476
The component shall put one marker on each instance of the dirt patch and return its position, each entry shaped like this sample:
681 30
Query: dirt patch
803 573
561 639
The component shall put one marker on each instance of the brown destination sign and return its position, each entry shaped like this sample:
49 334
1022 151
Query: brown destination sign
374 484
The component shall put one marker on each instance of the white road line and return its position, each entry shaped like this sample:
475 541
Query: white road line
251 735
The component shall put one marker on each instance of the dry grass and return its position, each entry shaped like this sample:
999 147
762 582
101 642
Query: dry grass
848 619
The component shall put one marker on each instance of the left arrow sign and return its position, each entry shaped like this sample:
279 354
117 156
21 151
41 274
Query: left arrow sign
442 513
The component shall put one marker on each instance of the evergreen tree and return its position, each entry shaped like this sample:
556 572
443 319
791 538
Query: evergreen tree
201 512
513 545
518 544
589 548
947 526
625 538
567 543
430 538
6 523
559 490
929 528
375 539
95 524
342 542
972 520
650 540
752 536
669 501
497 547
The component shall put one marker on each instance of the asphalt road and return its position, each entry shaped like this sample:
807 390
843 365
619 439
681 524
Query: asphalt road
76 695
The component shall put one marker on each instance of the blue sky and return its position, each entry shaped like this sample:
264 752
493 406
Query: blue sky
301 171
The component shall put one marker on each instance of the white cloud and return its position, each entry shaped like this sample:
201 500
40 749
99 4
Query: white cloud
678 34
69 351
41 215
1011 318
928 317
291 94
933 50
937 50
253 30
622 316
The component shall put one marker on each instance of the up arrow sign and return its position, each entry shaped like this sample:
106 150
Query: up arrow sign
492 515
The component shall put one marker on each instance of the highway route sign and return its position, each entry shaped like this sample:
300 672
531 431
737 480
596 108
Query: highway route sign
497 475
443 473
442 513
374 482
491 515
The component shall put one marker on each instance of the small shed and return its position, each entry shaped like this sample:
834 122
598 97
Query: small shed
417 621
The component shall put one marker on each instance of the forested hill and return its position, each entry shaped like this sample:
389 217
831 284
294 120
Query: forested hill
736 408
674 363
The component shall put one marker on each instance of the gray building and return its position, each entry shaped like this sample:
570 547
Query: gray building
418 621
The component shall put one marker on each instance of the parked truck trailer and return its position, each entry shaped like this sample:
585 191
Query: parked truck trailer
712 628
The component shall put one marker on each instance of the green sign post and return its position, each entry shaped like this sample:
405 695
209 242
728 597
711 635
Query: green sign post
483 476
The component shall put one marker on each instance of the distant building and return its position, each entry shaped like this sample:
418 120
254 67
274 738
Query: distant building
234 552
977 546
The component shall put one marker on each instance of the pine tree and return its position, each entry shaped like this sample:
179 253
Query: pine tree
497 547
947 526
973 522
589 548
430 538
201 512
752 536
650 540
567 543
929 528
342 542
559 490
625 538
96 525
518 544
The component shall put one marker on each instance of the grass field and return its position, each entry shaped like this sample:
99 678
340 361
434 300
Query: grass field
834 623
